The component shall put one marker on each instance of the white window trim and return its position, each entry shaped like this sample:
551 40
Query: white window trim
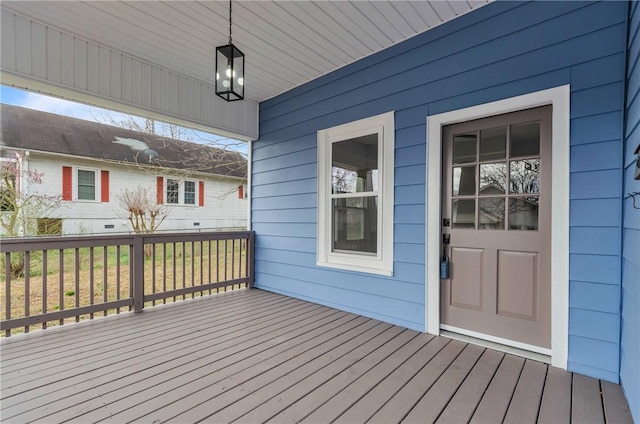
97 181
382 263
181 184
559 98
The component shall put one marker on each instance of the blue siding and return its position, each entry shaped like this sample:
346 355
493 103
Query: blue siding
501 50
630 340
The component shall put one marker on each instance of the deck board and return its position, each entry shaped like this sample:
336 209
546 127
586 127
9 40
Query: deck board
254 356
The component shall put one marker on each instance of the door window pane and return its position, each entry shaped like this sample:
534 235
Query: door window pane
464 180
355 228
464 148
463 213
523 213
86 185
493 144
189 193
525 176
172 191
491 213
525 139
354 165
493 178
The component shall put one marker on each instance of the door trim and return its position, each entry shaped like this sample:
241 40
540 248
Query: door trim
559 98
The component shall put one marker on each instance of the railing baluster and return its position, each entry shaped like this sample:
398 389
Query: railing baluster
118 276
105 267
61 282
27 285
174 269
7 278
233 259
91 279
153 271
226 248
44 285
131 270
164 270
77 293
193 269
201 266
184 266
209 262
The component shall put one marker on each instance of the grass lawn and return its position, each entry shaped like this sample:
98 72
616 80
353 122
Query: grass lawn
102 275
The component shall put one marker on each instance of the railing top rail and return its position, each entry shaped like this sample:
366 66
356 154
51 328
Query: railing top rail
49 243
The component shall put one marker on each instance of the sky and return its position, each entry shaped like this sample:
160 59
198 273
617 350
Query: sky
30 100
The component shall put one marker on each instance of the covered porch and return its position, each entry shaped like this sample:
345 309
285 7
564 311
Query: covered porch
255 356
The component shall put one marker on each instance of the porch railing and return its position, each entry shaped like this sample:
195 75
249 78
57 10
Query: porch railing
53 281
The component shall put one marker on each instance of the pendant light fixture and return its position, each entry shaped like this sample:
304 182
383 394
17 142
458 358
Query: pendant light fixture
229 70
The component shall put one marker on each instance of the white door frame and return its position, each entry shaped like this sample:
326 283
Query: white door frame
559 98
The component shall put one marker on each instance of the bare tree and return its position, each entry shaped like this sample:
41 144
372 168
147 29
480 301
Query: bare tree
145 215
20 210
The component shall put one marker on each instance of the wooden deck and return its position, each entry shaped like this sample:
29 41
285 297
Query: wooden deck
252 356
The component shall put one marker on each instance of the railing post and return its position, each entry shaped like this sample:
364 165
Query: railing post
252 256
138 273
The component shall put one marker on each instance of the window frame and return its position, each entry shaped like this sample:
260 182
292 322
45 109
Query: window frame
96 182
382 262
181 192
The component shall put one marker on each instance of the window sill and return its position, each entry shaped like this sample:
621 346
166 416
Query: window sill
356 268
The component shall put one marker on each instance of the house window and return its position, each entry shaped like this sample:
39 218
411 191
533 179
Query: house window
355 195
181 192
86 184
173 192
189 192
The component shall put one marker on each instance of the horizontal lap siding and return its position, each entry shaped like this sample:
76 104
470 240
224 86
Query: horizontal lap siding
630 341
501 50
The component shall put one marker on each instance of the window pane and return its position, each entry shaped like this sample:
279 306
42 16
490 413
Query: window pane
86 185
172 191
493 178
189 193
525 139
354 165
464 148
463 213
493 144
464 180
525 176
491 213
355 228
523 213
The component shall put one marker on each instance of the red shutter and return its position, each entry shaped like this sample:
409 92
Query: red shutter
67 183
104 186
240 192
201 193
159 190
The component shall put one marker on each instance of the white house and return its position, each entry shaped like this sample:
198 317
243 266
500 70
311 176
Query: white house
89 165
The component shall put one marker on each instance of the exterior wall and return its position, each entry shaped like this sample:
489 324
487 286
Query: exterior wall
502 50
630 340
219 211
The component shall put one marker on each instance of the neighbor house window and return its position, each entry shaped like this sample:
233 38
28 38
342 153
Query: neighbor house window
86 188
189 192
355 195
181 192
173 191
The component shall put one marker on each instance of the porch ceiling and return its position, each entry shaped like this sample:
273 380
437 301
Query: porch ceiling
286 43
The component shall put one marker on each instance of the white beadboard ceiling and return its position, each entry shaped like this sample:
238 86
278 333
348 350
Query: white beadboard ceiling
286 43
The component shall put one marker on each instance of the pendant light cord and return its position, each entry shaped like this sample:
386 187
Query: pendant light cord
230 22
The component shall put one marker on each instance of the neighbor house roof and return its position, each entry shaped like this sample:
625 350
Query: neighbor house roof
33 130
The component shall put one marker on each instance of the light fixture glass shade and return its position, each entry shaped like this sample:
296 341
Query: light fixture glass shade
229 73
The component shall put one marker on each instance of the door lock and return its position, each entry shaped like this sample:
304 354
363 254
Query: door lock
446 222
446 238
